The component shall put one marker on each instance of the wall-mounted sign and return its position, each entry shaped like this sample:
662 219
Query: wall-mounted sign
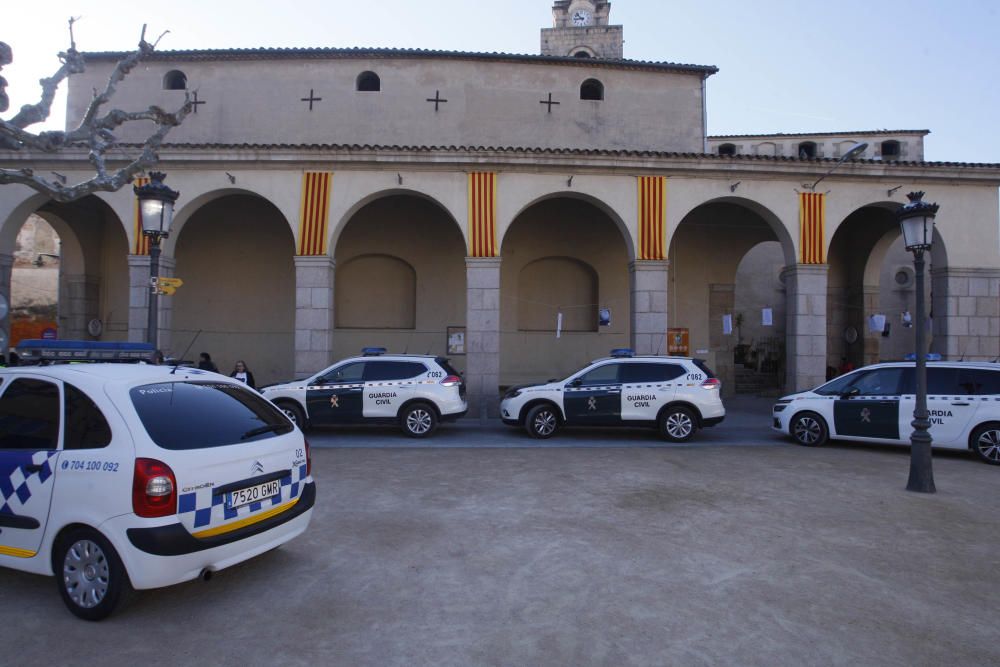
456 340
679 342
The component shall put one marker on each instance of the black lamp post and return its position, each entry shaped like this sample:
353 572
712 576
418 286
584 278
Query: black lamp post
156 208
917 222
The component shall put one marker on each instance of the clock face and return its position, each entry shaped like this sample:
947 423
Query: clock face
582 17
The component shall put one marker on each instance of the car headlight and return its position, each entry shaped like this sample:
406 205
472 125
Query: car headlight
512 394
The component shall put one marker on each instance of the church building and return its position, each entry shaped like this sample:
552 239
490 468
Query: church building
519 214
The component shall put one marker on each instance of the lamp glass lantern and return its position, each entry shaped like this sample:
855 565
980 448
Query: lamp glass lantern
916 220
156 205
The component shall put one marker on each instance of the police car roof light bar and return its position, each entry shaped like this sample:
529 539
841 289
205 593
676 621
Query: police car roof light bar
931 356
621 352
373 351
82 350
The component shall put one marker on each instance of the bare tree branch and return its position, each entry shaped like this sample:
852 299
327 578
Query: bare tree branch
95 131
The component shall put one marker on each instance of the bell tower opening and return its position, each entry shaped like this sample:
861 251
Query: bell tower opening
582 26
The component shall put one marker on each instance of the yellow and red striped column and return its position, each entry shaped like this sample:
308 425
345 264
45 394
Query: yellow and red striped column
314 215
652 217
812 228
483 214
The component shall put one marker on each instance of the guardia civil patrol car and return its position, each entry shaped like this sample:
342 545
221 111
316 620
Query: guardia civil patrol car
121 476
678 395
415 391
876 403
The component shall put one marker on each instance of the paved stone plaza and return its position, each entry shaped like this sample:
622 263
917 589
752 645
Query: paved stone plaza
630 553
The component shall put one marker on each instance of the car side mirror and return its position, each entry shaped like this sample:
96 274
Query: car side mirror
576 383
853 391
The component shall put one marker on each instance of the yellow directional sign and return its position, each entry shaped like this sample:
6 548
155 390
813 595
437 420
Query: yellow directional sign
170 282
167 289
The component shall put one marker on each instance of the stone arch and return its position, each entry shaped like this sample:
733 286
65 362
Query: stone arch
554 240
192 206
235 253
416 238
337 226
706 249
599 204
780 230
582 51
861 245
93 271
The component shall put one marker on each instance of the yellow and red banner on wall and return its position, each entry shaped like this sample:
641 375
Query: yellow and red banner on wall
483 214
812 228
141 246
652 217
314 216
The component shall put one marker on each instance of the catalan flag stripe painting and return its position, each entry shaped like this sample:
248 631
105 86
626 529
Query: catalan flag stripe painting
483 214
315 212
652 217
812 227
141 240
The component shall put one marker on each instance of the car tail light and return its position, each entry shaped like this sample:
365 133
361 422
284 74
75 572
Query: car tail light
711 383
309 458
451 381
154 489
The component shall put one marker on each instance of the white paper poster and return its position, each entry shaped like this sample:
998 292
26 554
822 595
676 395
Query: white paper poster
559 325
727 325
876 323
767 317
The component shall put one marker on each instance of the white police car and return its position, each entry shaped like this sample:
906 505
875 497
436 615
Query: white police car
415 391
875 404
676 394
117 476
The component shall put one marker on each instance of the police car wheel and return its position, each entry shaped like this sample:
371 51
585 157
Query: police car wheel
809 429
90 575
294 413
986 443
419 420
542 422
677 424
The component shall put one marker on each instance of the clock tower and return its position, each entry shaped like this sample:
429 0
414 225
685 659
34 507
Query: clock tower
581 30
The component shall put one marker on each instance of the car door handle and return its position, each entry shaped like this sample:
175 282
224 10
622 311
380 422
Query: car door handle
960 403
32 467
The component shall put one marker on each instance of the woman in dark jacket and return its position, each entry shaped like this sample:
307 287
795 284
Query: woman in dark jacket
242 373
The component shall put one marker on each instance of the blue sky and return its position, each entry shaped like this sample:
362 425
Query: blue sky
785 65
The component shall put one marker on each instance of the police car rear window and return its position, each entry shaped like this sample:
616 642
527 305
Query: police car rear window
704 368
200 415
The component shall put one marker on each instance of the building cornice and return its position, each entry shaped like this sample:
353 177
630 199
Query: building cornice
359 53
286 156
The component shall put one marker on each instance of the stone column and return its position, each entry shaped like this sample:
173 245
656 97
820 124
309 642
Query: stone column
138 297
805 290
79 296
171 344
722 301
314 323
138 304
965 305
482 335
6 268
648 281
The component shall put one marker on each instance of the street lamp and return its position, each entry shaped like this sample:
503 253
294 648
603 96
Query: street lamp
854 151
156 208
917 222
